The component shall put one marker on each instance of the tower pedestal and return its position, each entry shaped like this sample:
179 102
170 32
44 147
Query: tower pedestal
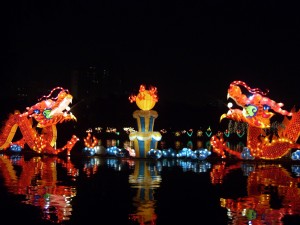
145 138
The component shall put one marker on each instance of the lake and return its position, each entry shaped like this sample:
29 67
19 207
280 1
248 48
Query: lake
78 190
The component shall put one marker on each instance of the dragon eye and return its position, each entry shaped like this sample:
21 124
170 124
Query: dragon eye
36 111
266 107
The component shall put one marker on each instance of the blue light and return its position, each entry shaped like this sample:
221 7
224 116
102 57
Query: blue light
246 154
155 154
15 148
296 155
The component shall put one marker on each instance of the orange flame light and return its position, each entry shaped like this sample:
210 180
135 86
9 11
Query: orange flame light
146 99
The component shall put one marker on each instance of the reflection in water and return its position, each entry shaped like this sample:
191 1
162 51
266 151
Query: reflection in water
195 166
272 194
296 170
36 179
91 166
145 180
141 191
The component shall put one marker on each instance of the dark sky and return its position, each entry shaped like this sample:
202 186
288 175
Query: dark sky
190 50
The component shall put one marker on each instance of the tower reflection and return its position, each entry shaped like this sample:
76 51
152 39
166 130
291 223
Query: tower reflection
145 180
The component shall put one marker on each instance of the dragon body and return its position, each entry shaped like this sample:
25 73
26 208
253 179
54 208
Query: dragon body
38 125
257 111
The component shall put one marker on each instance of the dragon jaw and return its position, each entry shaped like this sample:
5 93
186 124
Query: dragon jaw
233 114
63 106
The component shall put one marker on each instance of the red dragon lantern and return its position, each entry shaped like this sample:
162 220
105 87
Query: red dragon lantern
257 111
38 124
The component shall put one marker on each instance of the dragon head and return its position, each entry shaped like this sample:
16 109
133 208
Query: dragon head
50 111
253 110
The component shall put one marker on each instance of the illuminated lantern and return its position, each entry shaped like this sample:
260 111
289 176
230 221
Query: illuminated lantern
145 138
46 114
146 99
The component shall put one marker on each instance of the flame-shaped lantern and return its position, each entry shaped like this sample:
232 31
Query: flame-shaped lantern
146 99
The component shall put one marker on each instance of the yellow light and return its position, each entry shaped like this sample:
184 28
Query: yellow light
146 99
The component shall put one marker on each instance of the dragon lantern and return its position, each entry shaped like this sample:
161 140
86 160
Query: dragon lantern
38 124
257 111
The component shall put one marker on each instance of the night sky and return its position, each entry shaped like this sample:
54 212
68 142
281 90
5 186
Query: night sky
189 50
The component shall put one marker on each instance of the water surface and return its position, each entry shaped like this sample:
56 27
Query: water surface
88 190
